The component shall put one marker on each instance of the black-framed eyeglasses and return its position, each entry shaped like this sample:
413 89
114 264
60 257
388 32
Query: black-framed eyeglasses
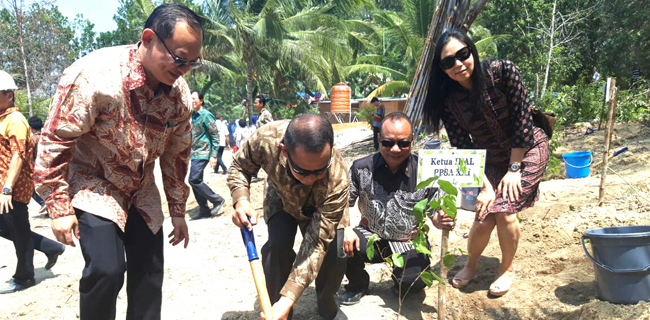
448 62
179 62
402 144
304 172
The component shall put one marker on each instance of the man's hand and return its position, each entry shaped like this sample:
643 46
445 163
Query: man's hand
442 221
350 241
63 228
243 210
5 203
281 309
180 232
213 162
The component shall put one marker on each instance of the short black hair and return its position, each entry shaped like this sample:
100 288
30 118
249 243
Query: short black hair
374 99
218 116
201 95
394 117
163 19
310 132
242 123
262 99
35 123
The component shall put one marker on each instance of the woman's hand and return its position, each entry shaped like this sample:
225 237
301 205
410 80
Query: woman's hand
484 200
510 186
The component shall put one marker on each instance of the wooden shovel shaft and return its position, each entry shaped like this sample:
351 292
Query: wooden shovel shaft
442 288
262 292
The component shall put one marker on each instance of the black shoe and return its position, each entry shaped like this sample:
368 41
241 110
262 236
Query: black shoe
350 298
225 172
201 215
51 258
17 285
216 208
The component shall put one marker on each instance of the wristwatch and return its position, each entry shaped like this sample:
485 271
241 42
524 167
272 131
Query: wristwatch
6 191
514 167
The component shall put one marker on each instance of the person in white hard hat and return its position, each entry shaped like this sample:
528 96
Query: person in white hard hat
16 166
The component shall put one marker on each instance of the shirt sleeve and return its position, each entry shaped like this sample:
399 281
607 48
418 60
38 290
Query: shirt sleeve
458 137
71 115
520 112
317 239
244 166
211 126
174 163
354 185
18 136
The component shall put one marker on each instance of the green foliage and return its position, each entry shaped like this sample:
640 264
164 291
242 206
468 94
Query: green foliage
634 104
370 246
582 102
365 113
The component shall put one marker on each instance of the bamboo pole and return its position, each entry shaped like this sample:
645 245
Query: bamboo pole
442 289
608 139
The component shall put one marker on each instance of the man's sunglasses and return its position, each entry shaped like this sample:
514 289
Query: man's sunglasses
304 172
402 144
179 62
449 62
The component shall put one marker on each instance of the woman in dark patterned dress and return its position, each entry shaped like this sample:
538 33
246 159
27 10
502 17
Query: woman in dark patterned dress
485 106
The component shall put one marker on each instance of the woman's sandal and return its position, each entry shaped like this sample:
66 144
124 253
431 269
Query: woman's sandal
460 283
500 288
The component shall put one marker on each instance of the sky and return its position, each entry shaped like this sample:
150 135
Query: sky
99 12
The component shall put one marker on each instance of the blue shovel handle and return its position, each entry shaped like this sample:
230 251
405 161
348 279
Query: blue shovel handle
249 241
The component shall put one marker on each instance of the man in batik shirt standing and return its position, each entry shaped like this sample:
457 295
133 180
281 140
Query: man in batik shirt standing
116 111
307 189
16 166
265 115
205 146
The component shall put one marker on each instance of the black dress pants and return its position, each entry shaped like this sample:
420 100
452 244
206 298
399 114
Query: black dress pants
220 163
202 192
278 257
14 226
358 277
104 245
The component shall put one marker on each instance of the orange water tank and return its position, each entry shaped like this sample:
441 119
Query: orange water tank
340 97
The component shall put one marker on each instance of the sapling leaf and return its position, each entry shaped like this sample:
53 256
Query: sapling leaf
389 261
426 228
435 276
427 278
420 243
434 204
370 246
426 183
418 210
447 187
398 260
448 260
463 166
449 206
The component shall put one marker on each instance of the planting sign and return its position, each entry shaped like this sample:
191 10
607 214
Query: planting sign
449 165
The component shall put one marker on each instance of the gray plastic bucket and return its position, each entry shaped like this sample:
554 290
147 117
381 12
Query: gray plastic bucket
468 198
433 144
621 257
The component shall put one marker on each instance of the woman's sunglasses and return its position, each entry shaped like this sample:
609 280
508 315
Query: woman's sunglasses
449 62
402 144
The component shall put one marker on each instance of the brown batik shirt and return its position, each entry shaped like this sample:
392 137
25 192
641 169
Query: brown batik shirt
328 196
264 118
14 139
103 134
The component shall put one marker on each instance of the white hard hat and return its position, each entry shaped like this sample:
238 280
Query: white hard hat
7 81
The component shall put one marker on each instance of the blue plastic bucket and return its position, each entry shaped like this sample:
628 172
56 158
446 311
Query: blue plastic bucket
621 257
577 164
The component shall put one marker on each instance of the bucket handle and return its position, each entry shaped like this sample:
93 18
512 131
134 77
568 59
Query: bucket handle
591 160
610 269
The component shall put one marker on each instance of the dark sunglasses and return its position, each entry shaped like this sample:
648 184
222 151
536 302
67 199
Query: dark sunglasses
304 172
179 62
402 144
449 62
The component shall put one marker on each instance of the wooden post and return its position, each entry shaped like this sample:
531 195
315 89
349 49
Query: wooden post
442 288
608 138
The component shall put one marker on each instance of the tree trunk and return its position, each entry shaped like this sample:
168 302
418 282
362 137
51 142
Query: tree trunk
536 86
19 24
249 88
550 51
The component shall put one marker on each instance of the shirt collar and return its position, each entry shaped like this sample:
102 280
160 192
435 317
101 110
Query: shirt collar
9 110
404 168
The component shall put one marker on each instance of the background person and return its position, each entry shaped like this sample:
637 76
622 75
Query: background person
485 106
116 111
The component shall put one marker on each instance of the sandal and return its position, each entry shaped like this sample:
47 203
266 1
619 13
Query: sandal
460 283
499 287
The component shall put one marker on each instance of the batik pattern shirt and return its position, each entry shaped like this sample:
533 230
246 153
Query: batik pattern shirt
320 208
14 139
265 117
386 199
104 131
205 135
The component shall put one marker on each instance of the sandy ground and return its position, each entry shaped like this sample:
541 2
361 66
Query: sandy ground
555 280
